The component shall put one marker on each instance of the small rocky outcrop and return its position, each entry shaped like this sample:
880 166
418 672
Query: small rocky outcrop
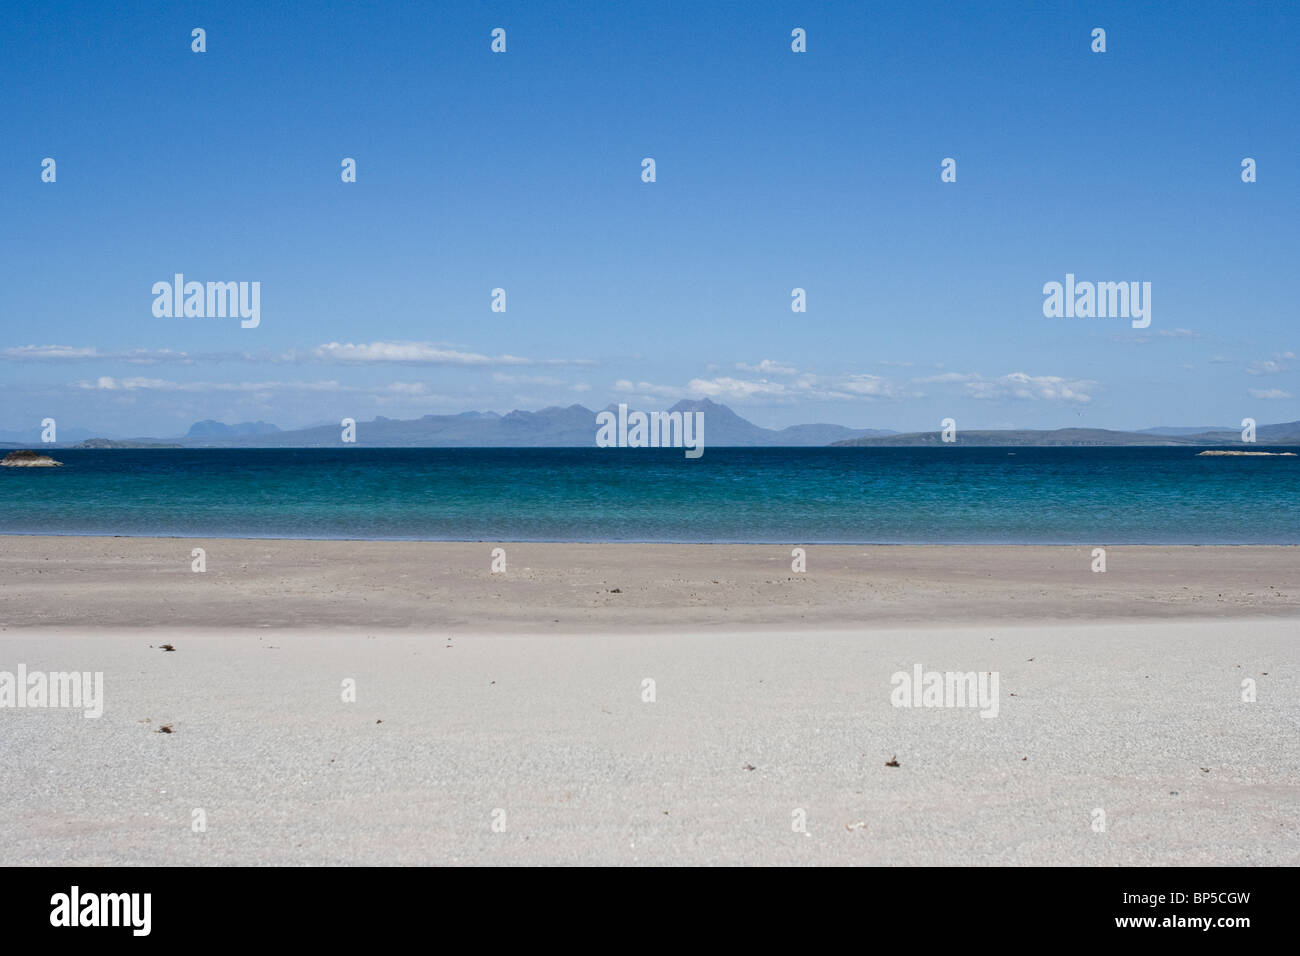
29 459
1251 454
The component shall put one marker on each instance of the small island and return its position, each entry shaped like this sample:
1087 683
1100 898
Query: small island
29 459
1269 454
123 443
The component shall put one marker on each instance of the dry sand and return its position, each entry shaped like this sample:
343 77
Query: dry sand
524 693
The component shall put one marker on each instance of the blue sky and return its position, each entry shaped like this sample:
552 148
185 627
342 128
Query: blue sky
775 170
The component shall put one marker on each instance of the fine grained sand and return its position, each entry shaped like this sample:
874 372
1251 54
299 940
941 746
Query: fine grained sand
565 588
771 705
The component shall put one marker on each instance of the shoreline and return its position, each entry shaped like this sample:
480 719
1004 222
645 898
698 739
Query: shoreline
691 542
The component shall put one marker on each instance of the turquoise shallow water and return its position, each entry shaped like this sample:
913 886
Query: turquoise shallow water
786 495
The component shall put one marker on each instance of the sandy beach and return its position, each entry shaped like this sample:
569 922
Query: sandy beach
1121 735
561 588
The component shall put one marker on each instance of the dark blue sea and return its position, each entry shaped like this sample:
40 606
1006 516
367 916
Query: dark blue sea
958 495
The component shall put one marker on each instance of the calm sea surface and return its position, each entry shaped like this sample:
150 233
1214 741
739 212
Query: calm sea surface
782 495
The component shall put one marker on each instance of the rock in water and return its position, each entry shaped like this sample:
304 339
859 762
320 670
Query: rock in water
29 459
1265 454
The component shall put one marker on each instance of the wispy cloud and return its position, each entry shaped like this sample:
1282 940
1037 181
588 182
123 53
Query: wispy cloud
649 389
805 387
107 383
331 353
945 378
1016 386
768 367
508 379
738 389
1020 386
418 353
1268 393
398 353
872 386
1280 362
72 353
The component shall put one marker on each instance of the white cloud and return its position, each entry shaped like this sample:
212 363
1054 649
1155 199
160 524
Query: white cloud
1267 393
110 384
947 377
506 379
871 386
805 387
336 353
768 367
625 386
725 389
407 353
71 353
1018 385
106 383
415 353
737 389
1280 362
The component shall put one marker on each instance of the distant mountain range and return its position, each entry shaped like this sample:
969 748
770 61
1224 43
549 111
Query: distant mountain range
575 427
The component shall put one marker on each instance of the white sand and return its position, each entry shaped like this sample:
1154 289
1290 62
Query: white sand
1119 692
1143 720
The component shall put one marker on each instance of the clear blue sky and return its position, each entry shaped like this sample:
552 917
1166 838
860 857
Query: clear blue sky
775 170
